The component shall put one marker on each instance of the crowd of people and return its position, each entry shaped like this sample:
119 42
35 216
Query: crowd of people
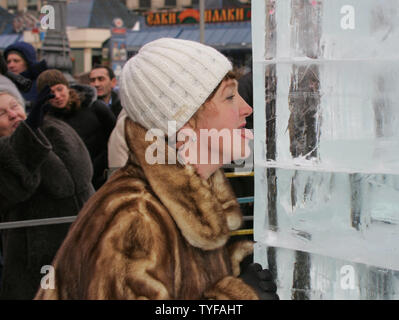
149 227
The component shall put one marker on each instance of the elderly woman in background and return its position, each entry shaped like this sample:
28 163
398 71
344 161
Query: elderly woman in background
159 229
45 172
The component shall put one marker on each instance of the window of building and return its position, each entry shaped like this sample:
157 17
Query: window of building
170 3
32 5
12 5
144 4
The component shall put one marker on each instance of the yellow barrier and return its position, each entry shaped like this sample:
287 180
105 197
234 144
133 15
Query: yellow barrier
242 232
238 174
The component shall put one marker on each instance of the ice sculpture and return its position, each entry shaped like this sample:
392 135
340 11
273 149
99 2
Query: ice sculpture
326 119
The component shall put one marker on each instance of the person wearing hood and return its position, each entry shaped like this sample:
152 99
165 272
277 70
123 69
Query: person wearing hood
91 118
159 227
21 59
45 172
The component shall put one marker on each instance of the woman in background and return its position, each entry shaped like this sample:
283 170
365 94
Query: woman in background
45 172
91 118
21 59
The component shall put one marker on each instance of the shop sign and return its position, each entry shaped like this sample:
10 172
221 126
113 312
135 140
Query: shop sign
118 53
193 16
118 26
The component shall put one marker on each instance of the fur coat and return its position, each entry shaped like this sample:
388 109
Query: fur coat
43 174
93 122
153 232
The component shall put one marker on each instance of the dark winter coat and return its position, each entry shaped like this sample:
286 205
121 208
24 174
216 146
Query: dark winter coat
34 69
116 105
93 122
153 232
43 174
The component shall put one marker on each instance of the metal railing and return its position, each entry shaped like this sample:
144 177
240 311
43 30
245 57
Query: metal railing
70 219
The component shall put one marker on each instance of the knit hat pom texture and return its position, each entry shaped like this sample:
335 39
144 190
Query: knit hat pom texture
168 80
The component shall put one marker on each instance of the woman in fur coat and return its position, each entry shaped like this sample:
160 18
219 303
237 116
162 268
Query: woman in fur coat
158 229
92 119
45 172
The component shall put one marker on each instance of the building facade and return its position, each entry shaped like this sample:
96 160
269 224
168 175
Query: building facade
91 35
144 5
21 5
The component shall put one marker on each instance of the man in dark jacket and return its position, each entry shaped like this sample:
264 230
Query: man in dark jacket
21 59
103 79
45 172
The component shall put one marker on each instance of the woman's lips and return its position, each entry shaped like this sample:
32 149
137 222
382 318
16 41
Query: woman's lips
16 124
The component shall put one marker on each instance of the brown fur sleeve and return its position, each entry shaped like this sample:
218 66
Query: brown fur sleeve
238 251
231 288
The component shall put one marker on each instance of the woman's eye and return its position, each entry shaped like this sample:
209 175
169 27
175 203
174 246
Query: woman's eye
230 97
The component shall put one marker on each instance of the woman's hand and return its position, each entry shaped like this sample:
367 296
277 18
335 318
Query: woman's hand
39 108
261 281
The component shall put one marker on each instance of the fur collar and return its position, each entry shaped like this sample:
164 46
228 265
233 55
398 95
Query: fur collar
204 210
87 94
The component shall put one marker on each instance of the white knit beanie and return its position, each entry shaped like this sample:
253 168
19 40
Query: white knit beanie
168 80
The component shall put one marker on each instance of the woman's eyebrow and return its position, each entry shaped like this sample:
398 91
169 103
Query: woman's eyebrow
231 84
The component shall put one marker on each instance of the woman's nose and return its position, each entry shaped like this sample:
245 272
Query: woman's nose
245 108
12 114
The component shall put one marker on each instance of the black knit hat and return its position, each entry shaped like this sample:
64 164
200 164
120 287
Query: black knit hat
51 78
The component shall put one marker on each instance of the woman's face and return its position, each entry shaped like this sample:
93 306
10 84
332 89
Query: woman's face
16 63
11 114
61 98
225 112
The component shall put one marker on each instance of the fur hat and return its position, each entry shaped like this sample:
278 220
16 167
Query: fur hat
168 80
51 78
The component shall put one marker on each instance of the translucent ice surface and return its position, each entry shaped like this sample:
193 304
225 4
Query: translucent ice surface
352 112
312 276
348 216
326 120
